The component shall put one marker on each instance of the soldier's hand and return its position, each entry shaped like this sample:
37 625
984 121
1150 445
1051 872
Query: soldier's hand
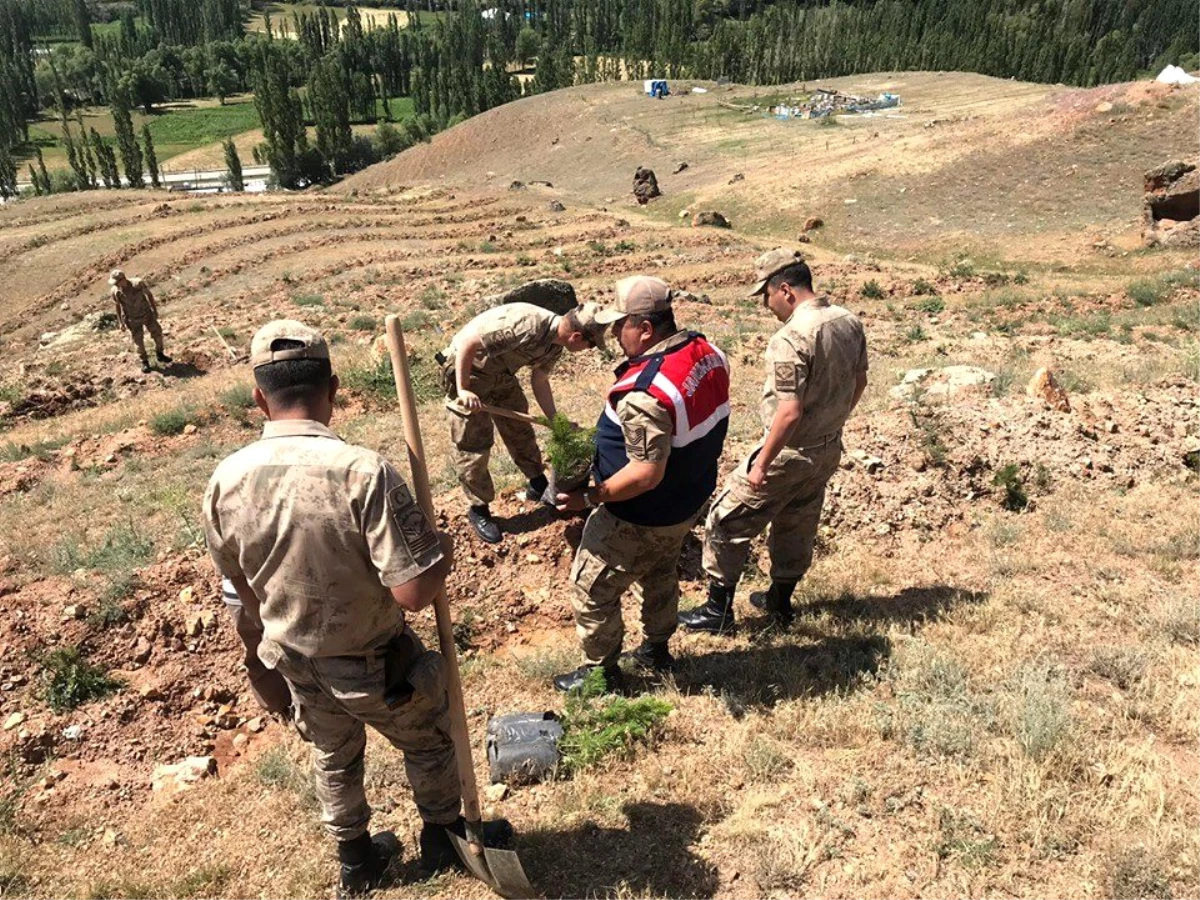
447 543
469 400
572 502
757 476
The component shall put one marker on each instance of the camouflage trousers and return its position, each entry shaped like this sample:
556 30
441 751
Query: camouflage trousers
267 685
139 339
474 435
790 502
612 555
334 698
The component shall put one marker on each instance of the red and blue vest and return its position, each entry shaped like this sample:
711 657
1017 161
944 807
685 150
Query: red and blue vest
691 382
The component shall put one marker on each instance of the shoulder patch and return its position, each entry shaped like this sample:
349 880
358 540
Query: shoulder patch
785 376
418 534
636 445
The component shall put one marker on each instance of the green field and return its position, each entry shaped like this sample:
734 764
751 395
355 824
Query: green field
178 128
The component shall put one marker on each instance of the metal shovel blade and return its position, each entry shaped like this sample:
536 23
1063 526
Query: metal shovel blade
499 869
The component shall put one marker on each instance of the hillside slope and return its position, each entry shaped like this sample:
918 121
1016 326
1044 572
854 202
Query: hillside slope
967 162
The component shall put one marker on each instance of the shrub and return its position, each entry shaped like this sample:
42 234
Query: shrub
915 334
923 287
70 681
596 725
933 305
1136 873
375 380
364 323
238 397
308 300
173 421
1042 719
1009 477
872 290
962 268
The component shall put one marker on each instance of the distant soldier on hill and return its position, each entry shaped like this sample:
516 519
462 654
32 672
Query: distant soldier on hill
137 311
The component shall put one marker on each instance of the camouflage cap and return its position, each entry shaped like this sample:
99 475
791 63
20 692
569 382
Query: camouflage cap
640 295
770 264
594 321
115 276
312 341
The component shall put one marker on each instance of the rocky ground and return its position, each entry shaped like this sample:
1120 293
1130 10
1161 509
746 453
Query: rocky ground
989 521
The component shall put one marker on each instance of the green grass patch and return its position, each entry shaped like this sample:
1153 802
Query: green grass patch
124 547
872 290
597 724
1152 291
933 305
171 422
41 450
69 680
308 300
237 401
363 323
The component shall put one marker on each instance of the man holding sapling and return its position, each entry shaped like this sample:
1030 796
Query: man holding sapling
658 443
480 368
816 374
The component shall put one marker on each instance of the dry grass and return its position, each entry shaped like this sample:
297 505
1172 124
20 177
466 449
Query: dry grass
1007 706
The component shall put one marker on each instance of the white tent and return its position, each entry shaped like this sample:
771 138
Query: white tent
1175 75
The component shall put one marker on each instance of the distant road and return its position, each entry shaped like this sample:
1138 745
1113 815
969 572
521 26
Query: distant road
198 182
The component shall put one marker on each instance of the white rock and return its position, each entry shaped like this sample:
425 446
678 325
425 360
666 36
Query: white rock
942 384
183 774
496 792
73 733
14 720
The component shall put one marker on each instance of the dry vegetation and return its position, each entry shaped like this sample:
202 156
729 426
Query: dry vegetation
982 696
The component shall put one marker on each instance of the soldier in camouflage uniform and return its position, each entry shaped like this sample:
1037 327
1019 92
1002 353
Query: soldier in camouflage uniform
326 548
658 444
816 374
137 312
480 367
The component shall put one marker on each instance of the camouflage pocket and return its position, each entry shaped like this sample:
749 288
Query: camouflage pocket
428 676
588 571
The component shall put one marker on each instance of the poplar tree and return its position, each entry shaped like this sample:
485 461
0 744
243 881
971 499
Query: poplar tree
131 153
233 167
151 156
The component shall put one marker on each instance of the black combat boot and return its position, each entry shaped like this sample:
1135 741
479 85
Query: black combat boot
614 679
365 863
537 490
485 526
776 602
715 616
438 853
145 364
654 656
162 357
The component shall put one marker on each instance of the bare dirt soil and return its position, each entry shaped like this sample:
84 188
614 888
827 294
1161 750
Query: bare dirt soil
992 687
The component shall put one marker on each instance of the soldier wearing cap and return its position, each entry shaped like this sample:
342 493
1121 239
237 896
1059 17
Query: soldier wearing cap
326 549
816 374
658 444
137 312
481 366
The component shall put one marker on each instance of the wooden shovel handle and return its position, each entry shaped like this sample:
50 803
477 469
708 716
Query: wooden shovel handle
441 605
498 411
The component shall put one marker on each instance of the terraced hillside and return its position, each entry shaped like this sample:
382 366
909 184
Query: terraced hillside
993 686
